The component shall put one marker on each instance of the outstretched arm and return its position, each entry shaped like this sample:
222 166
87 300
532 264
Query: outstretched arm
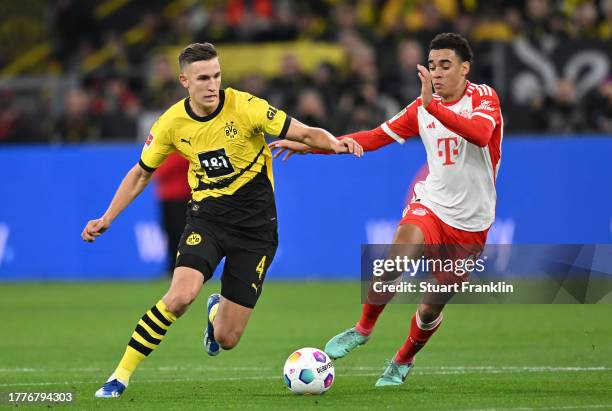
401 126
369 140
319 138
132 185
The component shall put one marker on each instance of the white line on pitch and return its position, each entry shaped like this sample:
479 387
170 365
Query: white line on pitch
423 371
562 407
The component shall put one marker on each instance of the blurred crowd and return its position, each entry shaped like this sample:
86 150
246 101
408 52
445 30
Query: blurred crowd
116 82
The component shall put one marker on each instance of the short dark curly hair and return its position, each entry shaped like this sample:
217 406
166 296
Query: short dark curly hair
197 52
453 41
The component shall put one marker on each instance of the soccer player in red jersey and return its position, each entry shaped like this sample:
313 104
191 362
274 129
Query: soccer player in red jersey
461 127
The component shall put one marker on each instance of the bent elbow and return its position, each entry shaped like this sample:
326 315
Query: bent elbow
483 137
142 175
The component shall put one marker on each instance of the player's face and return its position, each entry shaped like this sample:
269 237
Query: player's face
203 80
448 72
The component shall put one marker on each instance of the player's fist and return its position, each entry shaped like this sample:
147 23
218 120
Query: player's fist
348 145
289 147
94 228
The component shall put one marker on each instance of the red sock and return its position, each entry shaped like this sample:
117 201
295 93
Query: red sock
369 315
418 337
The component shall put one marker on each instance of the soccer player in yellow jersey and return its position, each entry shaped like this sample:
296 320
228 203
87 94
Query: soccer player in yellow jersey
232 212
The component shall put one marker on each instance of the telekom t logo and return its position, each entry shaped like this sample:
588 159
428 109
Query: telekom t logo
449 147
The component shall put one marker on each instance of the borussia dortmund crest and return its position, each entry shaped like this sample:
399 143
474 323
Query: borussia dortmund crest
230 130
194 239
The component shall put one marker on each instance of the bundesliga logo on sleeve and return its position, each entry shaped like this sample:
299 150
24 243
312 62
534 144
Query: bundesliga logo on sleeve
149 141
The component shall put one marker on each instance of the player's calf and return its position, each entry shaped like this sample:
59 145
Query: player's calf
227 339
228 333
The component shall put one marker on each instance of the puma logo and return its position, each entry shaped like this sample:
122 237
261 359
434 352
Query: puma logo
254 287
186 141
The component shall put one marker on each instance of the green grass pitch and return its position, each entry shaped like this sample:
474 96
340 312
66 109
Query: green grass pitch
69 337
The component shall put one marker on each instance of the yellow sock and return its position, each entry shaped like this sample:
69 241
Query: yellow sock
213 313
149 332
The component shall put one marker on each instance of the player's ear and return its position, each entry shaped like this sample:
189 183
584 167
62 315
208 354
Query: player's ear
465 68
183 80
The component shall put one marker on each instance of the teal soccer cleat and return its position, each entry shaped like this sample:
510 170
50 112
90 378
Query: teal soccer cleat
345 342
111 389
212 347
394 374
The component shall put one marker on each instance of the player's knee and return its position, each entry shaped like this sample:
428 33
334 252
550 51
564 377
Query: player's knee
178 303
429 313
227 339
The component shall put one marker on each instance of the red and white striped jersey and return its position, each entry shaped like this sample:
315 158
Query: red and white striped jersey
463 144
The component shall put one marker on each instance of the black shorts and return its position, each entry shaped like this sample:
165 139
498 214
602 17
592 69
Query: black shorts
248 254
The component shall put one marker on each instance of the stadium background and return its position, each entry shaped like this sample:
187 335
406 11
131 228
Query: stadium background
82 81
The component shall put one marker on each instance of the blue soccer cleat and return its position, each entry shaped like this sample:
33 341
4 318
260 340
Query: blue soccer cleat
345 342
394 374
212 347
111 389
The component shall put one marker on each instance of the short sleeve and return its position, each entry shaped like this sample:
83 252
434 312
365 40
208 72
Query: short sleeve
267 118
157 147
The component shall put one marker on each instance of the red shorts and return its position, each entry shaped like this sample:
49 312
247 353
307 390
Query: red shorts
443 241
437 231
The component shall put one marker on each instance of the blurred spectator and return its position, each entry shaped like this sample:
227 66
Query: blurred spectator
370 109
526 44
287 86
599 108
13 122
73 24
76 124
283 25
428 23
326 80
121 111
249 18
403 83
163 88
561 113
217 29
491 26
311 108
173 192
605 28
583 22
344 20
542 26
363 67
255 84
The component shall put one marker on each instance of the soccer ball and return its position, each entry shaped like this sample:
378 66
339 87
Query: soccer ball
308 371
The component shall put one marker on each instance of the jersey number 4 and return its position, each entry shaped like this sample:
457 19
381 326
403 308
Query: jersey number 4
261 267
215 163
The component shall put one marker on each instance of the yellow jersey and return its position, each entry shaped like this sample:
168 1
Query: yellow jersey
230 164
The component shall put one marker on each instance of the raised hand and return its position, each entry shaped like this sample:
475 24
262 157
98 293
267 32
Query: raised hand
426 89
